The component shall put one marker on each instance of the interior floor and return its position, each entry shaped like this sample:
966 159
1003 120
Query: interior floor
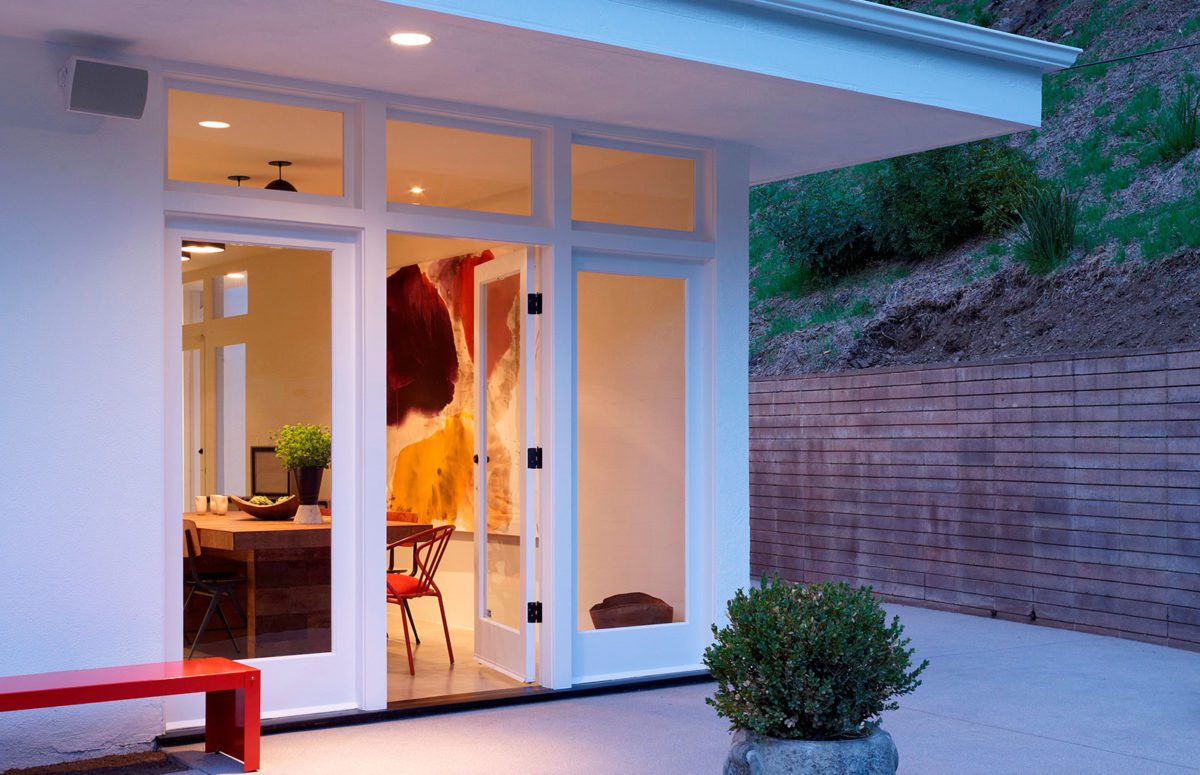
435 676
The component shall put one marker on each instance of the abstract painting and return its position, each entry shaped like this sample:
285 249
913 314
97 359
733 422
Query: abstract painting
431 398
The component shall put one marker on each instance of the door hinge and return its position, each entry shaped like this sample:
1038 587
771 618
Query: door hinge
535 612
535 457
535 304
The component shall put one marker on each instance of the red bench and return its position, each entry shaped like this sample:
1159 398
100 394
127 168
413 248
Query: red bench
232 696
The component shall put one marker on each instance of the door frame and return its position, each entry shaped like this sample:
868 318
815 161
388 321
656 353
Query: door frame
521 666
666 649
308 683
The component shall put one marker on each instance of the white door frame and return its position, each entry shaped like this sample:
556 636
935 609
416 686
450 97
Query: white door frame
629 652
497 645
309 683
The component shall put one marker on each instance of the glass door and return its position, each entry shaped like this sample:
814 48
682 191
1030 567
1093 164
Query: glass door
504 526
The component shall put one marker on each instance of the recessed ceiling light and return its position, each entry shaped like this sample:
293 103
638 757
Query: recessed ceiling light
215 124
236 275
411 39
416 190
191 246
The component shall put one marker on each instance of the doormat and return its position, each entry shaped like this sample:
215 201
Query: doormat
149 763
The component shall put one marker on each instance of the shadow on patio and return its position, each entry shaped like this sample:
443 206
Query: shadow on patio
998 697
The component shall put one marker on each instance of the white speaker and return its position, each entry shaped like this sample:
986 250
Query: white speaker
104 89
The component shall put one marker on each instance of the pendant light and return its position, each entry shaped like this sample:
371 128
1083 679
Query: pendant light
238 179
194 246
280 184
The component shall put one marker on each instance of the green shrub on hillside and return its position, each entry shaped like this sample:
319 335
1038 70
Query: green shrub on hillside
1175 128
819 224
929 202
812 230
1002 175
1048 229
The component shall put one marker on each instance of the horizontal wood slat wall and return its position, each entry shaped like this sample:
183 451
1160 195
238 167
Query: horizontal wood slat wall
1064 490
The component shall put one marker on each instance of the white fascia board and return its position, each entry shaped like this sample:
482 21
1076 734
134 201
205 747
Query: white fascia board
851 45
901 23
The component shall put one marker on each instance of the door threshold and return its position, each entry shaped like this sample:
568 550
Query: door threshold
452 703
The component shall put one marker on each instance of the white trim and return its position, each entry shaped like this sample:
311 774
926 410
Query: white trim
630 674
701 159
296 680
538 135
349 109
654 649
932 30
565 19
496 643
199 210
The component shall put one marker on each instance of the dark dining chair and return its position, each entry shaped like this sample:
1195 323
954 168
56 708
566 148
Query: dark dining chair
213 585
429 547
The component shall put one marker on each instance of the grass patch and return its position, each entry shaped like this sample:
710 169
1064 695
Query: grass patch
1175 128
830 311
1091 159
860 307
1133 120
1159 230
775 274
1048 229
1057 91
1175 226
1117 179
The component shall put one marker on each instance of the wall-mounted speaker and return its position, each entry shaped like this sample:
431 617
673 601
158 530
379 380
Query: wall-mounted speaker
105 89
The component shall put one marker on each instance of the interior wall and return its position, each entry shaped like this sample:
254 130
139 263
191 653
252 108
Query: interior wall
288 353
82 381
287 336
631 439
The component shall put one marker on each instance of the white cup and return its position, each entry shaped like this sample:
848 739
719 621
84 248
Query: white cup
201 504
219 503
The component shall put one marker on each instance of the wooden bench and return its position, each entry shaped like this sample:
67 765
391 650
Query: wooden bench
232 696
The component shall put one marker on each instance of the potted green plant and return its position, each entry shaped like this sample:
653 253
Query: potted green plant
305 451
803 673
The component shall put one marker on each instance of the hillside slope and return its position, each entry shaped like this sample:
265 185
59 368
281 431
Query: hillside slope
1130 283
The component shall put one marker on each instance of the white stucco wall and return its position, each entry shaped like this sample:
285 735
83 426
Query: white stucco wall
84 552
81 397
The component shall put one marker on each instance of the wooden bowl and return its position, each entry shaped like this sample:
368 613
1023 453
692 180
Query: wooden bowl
632 609
276 511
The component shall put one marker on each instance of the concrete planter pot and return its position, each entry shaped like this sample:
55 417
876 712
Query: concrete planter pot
872 755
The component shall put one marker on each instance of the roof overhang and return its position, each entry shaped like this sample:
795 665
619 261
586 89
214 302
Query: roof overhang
806 85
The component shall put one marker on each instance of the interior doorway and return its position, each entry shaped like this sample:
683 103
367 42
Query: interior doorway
461 351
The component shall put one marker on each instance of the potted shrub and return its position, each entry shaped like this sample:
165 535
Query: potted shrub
803 673
305 452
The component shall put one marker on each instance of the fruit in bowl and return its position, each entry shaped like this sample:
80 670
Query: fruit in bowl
263 507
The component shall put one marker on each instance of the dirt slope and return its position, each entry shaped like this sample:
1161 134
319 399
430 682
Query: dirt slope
975 302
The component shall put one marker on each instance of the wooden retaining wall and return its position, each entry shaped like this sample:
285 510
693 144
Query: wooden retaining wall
1064 490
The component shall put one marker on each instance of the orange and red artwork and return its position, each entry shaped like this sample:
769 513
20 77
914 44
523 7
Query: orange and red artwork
431 396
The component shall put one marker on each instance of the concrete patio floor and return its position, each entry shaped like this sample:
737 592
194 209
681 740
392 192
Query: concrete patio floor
998 697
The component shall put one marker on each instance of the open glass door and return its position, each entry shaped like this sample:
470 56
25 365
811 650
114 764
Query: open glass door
505 530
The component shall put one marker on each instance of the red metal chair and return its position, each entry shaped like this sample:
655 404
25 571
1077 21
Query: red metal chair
429 547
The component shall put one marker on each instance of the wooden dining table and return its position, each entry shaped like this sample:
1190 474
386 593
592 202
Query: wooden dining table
287 594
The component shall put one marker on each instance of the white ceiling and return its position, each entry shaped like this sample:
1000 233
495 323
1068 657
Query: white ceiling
792 127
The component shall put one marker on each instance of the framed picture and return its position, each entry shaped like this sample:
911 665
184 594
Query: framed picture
267 474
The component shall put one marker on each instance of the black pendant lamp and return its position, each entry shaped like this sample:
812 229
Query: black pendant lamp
280 184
